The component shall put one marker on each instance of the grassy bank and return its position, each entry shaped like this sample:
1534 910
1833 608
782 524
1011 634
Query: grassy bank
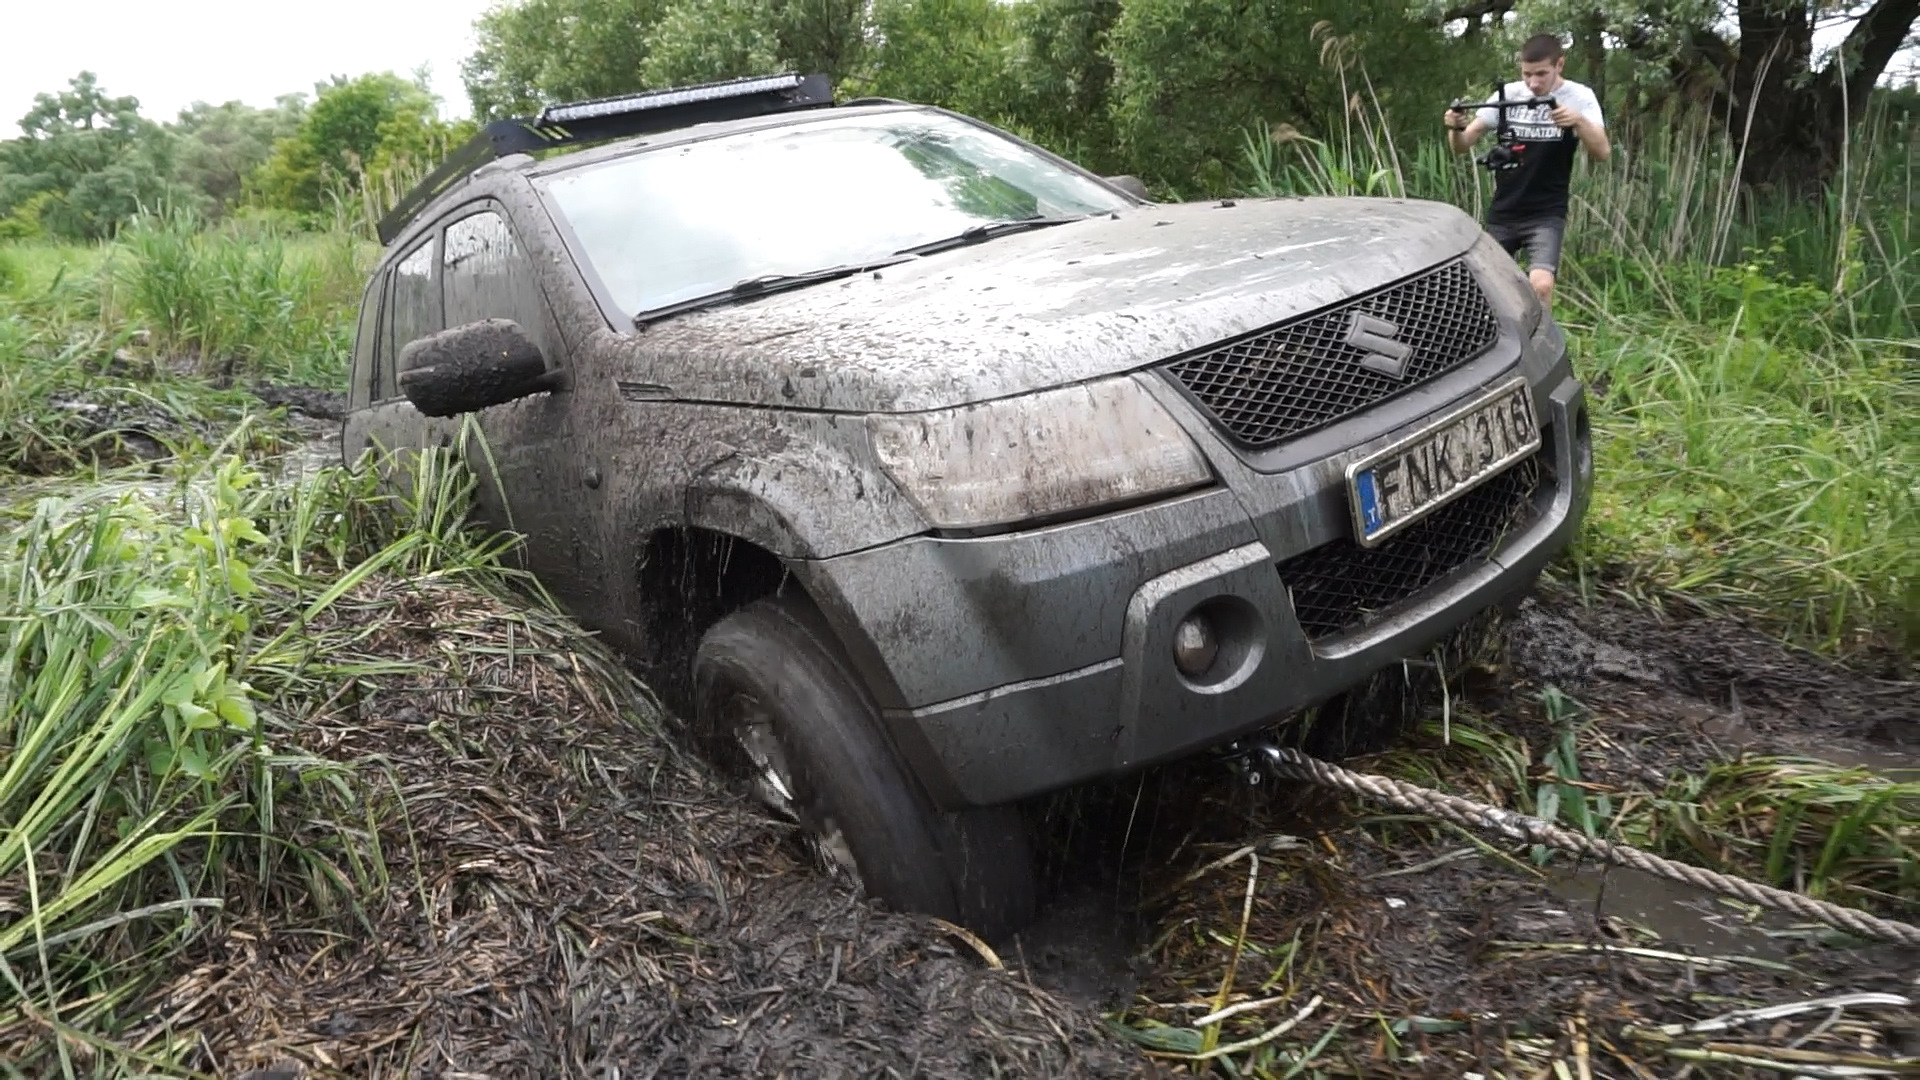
1750 363
161 641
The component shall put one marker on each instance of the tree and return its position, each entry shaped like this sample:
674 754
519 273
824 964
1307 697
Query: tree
533 52
827 36
1752 64
1795 114
1192 77
1063 76
538 51
90 159
355 127
218 146
953 53
708 40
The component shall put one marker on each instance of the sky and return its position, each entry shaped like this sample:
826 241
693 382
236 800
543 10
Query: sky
171 53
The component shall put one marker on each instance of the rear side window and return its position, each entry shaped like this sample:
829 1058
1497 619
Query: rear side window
413 312
484 274
366 371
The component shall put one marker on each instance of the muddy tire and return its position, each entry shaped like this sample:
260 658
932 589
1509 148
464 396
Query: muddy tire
771 680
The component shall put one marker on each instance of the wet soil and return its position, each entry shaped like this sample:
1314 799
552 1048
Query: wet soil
1683 686
568 894
304 400
1436 955
565 894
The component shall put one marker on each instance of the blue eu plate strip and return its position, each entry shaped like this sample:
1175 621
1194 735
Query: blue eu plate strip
1369 501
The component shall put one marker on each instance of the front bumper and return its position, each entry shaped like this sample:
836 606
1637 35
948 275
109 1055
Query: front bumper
1011 665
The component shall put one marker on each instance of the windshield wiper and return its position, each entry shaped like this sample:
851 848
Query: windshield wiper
764 284
986 230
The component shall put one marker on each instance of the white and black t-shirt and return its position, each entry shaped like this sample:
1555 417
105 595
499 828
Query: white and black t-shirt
1538 187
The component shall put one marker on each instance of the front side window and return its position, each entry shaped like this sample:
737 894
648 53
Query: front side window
485 274
667 226
413 311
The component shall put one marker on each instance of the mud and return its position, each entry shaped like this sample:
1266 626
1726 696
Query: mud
567 895
306 400
1677 674
114 426
1435 956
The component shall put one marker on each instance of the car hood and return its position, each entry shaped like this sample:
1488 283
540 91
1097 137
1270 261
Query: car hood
1045 308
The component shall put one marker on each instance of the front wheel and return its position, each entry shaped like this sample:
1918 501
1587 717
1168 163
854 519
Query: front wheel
771 681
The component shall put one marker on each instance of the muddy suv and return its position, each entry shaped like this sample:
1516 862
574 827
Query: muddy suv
926 471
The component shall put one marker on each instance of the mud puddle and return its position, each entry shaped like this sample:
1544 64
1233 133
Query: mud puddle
1680 916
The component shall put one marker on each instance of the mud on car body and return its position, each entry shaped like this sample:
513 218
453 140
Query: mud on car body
926 471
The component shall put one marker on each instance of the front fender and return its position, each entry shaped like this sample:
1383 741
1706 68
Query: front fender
809 499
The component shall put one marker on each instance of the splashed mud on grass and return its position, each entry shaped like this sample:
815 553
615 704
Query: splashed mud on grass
562 893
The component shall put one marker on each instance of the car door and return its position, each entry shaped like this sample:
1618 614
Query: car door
472 268
525 461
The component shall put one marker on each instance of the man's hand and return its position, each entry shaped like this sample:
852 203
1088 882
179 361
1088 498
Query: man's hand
1464 128
1592 136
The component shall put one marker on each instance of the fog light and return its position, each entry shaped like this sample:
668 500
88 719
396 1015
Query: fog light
1195 646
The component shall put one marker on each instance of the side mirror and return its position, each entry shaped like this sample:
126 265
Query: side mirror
467 368
1132 185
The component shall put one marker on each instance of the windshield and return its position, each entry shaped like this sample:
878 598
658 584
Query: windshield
668 226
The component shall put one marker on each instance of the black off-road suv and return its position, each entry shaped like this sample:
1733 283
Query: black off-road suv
926 471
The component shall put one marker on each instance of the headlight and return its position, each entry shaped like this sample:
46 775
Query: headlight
1506 284
1071 449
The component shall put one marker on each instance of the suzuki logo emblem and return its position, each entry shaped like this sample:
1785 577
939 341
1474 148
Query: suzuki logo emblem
1375 336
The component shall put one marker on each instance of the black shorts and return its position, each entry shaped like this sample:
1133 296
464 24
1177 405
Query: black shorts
1540 237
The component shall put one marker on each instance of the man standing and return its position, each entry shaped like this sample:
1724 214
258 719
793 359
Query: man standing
1529 208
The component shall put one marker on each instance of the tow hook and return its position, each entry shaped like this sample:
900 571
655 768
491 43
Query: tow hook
1251 760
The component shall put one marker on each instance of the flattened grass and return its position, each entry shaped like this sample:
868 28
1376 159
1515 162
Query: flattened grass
130 350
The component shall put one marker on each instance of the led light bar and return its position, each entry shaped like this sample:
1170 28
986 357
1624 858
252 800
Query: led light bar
665 99
579 123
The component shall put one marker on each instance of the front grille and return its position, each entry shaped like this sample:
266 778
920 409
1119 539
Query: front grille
1341 586
1289 379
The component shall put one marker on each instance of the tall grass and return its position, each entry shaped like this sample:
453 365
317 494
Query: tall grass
1846 834
1750 361
103 344
243 298
1670 197
154 647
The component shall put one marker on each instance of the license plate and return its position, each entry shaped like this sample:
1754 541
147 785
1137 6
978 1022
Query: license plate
1393 488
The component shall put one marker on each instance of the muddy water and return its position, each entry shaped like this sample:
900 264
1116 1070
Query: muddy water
1674 916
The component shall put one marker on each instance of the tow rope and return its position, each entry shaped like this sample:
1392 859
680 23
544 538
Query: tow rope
1282 763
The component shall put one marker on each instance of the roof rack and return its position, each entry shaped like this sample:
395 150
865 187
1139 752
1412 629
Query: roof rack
600 119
